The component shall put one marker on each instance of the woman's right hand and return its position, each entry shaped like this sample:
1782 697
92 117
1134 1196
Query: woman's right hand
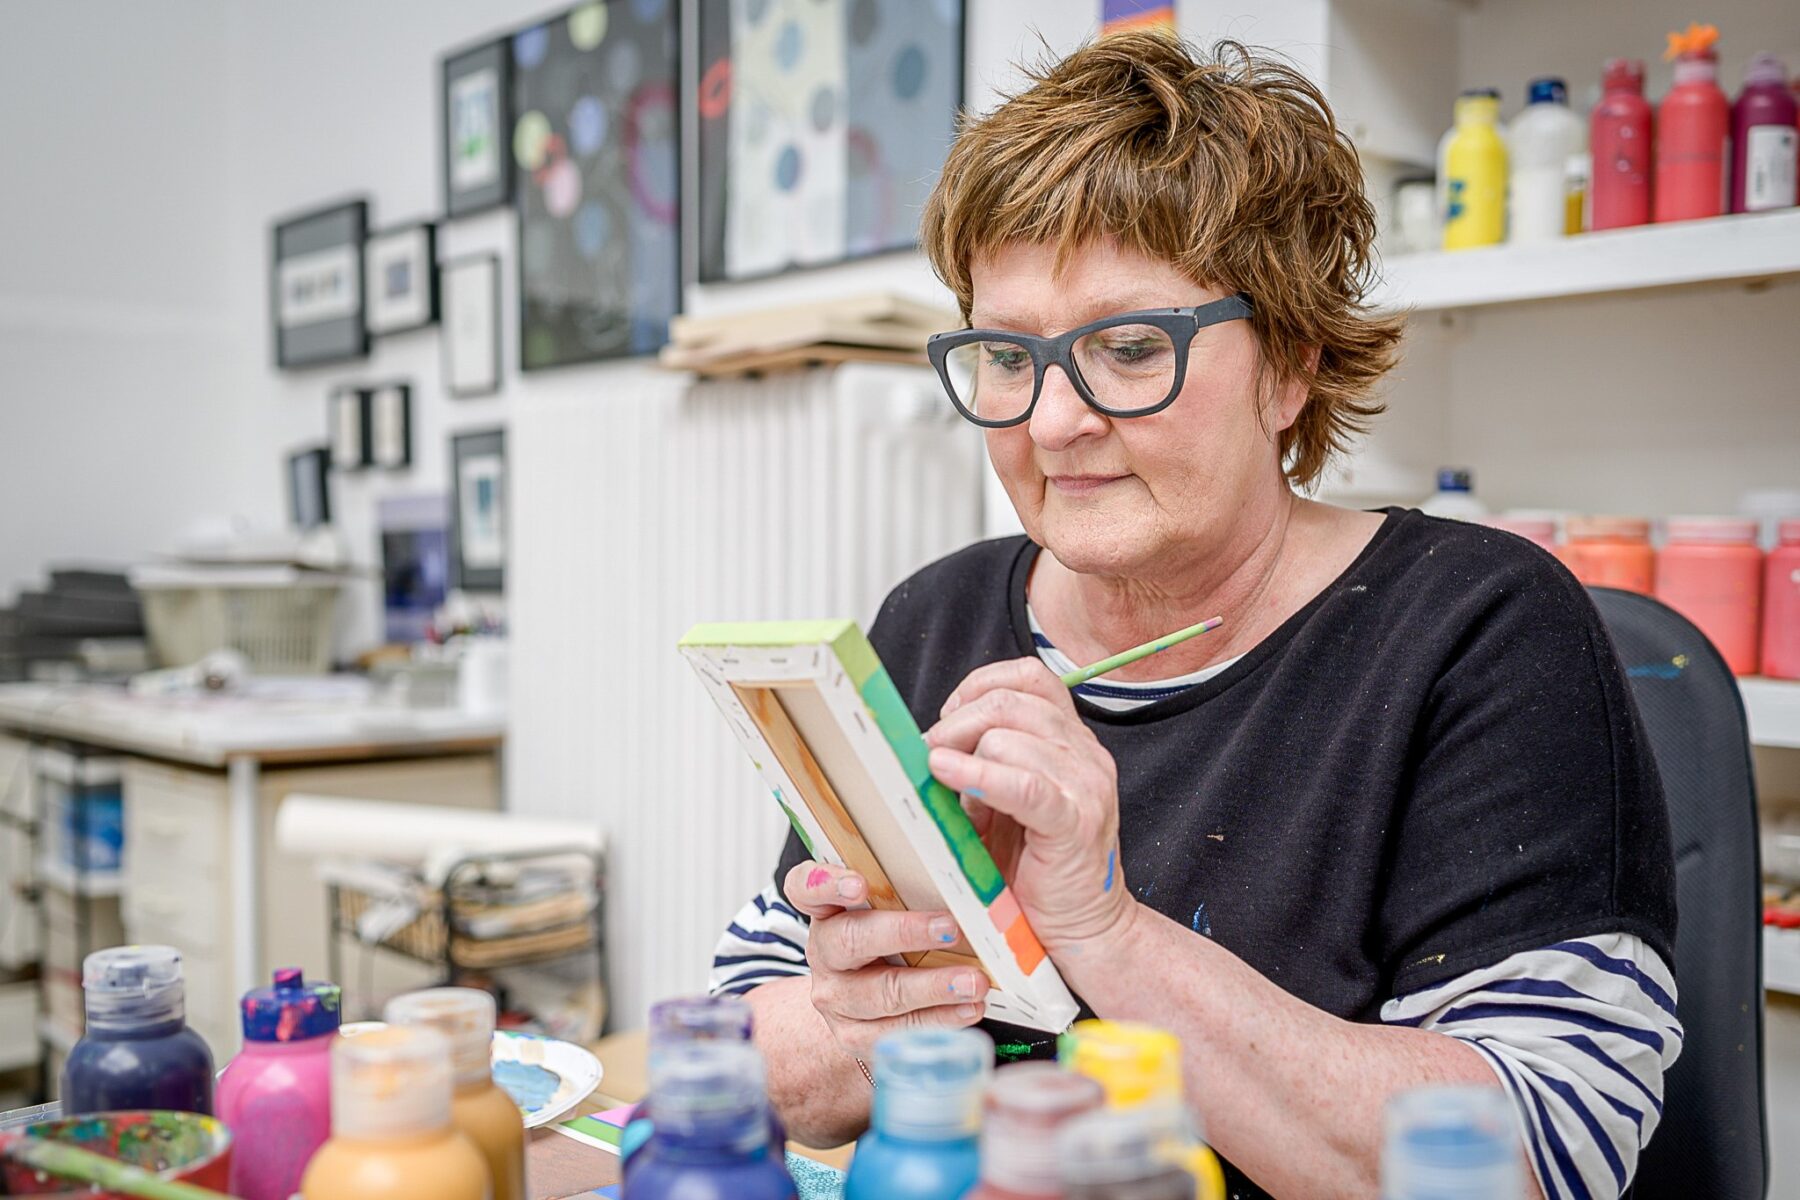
862 997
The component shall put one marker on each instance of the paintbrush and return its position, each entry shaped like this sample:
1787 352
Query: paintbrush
1126 657
71 1162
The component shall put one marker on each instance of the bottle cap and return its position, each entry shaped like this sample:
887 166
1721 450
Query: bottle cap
1123 1145
464 1016
1548 90
1788 530
1631 529
392 1082
1624 74
1455 479
1478 104
293 1010
1027 1105
1765 69
693 1018
1713 530
1456 1140
1135 1063
929 1083
130 987
710 1091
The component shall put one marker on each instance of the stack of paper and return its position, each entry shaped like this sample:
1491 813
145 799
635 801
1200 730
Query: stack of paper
878 327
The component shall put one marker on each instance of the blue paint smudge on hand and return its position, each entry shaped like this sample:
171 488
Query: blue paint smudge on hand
530 1085
1202 923
1112 859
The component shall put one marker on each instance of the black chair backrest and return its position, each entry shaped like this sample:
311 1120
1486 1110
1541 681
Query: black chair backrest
1713 1140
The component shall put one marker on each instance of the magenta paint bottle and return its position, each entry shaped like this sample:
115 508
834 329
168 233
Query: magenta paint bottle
1763 139
275 1096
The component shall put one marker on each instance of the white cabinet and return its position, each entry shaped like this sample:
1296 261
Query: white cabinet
18 914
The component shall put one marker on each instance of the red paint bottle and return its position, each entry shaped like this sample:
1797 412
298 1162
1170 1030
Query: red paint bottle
1693 125
1619 135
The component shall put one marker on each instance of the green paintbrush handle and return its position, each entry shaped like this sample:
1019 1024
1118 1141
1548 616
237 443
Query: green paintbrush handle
72 1162
1126 657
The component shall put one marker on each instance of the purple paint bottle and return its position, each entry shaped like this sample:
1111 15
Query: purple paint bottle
138 1051
276 1094
691 1019
1763 139
712 1129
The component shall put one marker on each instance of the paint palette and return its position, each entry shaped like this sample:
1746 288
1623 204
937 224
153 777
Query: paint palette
545 1077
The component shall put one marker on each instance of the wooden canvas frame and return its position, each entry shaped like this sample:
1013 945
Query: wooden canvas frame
828 732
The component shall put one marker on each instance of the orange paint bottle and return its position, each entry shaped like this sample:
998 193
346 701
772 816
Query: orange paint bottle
1711 573
1611 552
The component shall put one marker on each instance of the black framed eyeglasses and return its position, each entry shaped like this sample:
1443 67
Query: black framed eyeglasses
1127 365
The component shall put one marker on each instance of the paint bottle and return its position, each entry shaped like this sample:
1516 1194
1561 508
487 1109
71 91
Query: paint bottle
1455 496
1539 145
1473 169
1781 605
923 1139
138 1051
691 1019
1139 1067
479 1109
1763 139
1536 529
1693 124
712 1128
1611 552
1711 572
1027 1106
1126 1154
1619 134
276 1094
391 1136
1456 1141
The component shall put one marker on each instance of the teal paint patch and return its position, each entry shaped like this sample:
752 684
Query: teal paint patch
895 720
971 854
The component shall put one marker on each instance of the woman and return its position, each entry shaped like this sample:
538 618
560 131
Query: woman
1394 824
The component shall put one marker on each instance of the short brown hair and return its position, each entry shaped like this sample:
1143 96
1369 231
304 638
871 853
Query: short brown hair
1227 164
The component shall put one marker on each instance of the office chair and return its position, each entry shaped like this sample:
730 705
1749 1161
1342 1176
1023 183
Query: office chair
1713 1140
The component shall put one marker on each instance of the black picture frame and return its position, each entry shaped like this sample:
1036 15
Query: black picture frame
478 511
463 69
389 422
309 487
316 294
347 420
467 284
411 251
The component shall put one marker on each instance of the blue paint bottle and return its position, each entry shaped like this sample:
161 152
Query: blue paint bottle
138 1051
922 1140
712 1129
691 1019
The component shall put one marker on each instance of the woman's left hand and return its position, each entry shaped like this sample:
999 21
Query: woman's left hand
1043 792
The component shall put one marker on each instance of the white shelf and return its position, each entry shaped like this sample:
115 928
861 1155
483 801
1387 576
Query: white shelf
1721 250
1773 708
93 884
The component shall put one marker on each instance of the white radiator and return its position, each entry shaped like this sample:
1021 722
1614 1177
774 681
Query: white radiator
637 514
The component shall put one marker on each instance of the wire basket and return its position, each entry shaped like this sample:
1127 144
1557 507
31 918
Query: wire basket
279 619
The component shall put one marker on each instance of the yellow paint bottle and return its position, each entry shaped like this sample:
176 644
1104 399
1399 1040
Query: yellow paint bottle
1138 1065
1473 174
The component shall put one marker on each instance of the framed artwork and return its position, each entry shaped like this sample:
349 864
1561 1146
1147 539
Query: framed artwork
401 278
316 286
389 424
596 150
347 417
475 119
415 563
309 487
478 511
827 730
823 125
471 336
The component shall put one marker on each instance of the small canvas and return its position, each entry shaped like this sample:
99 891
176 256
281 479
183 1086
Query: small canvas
830 735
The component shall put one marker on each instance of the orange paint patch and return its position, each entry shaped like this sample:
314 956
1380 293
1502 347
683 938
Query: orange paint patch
1027 951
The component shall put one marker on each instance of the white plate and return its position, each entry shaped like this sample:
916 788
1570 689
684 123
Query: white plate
545 1077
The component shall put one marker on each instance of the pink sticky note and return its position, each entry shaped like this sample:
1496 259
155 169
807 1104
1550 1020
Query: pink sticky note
616 1116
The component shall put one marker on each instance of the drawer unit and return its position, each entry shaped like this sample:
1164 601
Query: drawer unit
177 820
18 1025
18 913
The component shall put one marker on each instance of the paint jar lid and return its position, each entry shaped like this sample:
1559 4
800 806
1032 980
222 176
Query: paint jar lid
464 1016
1789 531
292 1010
710 1092
129 987
1134 1062
388 1083
1713 530
698 1018
1124 1145
929 1083
1548 90
1450 1140
1027 1105
1630 529
1455 479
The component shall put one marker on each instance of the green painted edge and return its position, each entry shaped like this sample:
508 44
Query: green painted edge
859 659
799 829
971 853
771 633
895 720
598 1130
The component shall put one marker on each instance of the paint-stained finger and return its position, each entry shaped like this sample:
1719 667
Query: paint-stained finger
1020 674
856 939
876 993
1027 796
820 890
1000 708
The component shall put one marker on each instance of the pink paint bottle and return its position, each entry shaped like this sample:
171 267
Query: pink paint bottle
1693 125
1763 139
276 1094
1619 140
1781 606
1711 572
1027 1105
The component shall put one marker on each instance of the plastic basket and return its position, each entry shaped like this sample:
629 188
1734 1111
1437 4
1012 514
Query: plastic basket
280 621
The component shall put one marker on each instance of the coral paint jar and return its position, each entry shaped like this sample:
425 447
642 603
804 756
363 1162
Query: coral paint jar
1539 530
1611 552
1781 606
1711 573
